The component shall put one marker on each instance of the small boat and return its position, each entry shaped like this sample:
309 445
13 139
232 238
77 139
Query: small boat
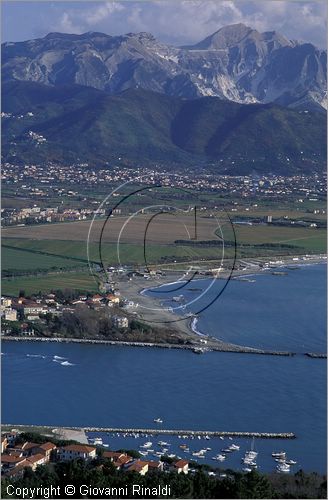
279 454
222 438
199 454
219 457
143 453
251 454
163 443
226 450
97 441
234 447
291 462
247 469
158 420
283 468
248 461
146 445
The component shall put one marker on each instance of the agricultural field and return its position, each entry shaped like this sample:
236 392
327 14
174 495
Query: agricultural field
163 229
61 249
24 260
311 239
51 281
74 253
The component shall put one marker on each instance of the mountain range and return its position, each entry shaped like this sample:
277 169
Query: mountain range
240 99
237 63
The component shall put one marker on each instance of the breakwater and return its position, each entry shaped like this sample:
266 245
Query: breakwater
316 355
158 431
212 345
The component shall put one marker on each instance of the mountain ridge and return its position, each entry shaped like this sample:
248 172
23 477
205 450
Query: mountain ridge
236 63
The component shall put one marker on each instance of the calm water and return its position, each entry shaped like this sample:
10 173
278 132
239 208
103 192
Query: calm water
275 312
118 386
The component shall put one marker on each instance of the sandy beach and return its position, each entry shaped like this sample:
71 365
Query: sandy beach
151 310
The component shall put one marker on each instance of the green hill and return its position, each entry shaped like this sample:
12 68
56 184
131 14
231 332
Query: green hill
85 124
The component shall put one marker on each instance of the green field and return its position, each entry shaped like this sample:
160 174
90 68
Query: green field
78 281
310 239
58 256
128 253
23 260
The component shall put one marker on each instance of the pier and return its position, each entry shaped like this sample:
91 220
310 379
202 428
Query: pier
156 431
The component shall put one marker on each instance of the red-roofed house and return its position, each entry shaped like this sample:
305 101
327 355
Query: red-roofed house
154 466
26 447
138 466
9 461
46 449
119 459
112 298
96 298
34 448
35 460
181 466
73 451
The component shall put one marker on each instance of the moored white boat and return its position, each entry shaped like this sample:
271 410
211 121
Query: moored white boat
234 447
279 454
98 440
146 445
283 468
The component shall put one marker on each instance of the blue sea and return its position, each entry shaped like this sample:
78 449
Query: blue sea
97 385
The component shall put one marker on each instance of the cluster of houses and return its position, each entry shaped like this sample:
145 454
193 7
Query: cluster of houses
36 214
22 309
16 455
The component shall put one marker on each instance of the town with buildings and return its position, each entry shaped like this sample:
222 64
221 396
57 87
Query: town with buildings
70 190
19 314
19 454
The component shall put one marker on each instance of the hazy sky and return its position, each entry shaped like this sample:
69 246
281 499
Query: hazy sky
172 21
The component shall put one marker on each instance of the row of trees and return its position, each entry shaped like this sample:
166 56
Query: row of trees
101 473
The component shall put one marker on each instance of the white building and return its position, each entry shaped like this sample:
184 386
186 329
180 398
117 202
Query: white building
74 451
120 321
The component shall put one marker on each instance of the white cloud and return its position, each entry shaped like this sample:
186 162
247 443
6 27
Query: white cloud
66 25
103 12
188 21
